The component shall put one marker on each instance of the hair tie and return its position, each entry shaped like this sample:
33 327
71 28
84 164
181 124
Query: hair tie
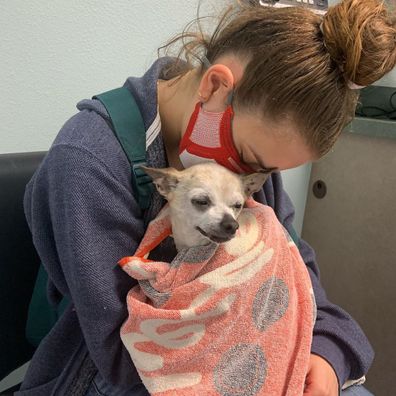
321 28
352 85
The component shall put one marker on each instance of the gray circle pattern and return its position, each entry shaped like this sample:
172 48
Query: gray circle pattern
270 303
241 371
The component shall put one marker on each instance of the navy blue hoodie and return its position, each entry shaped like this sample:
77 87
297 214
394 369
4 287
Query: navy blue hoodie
83 217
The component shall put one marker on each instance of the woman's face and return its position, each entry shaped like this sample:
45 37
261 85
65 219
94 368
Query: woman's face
261 142
265 144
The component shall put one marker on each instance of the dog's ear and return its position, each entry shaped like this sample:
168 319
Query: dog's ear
253 182
165 179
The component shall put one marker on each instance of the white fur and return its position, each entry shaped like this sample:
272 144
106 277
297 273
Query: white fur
209 182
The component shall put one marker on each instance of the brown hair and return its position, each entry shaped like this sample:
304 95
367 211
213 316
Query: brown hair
300 64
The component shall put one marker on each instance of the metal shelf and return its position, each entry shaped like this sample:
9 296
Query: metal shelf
372 127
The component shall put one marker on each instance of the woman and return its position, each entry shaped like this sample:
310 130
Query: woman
291 78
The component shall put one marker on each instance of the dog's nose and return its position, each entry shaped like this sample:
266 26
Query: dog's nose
229 225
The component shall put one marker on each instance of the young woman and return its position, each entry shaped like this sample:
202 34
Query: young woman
287 80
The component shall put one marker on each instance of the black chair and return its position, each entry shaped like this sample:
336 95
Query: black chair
19 262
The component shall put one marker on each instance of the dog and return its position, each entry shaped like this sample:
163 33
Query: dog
204 200
234 309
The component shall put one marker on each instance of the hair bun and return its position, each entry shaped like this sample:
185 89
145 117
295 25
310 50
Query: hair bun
360 36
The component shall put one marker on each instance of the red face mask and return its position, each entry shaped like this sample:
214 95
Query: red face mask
209 138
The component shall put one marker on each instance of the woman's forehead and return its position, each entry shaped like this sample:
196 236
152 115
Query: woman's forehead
276 144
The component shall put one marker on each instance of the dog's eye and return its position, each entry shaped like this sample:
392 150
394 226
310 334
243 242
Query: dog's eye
238 205
202 202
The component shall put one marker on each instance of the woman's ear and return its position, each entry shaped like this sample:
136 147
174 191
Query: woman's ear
215 87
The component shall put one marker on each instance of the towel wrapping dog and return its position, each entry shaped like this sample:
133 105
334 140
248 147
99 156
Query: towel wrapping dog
234 319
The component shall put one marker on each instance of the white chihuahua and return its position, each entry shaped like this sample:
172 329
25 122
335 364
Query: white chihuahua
204 200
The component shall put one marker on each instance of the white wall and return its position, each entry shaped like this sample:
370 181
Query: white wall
54 53
296 182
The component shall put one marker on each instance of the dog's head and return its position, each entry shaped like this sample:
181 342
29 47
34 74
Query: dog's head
205 201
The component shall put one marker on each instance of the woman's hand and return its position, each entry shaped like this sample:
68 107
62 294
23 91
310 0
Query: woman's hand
321 379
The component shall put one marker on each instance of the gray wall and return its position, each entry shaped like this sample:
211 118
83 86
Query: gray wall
352 229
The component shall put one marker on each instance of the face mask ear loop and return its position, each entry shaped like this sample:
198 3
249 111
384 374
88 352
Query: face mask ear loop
230 98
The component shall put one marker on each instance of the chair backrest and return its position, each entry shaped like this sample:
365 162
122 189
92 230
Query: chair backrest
19 262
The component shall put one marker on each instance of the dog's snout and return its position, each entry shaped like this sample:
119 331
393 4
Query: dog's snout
229 225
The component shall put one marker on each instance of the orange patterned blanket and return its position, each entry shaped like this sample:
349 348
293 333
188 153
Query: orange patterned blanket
229 319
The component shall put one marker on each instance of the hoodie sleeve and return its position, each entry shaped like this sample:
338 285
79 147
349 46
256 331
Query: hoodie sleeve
337 337
83 221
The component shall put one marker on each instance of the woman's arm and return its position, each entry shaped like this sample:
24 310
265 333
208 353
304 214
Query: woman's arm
337 337
83 220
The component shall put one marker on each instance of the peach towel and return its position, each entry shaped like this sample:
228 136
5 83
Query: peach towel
234 319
